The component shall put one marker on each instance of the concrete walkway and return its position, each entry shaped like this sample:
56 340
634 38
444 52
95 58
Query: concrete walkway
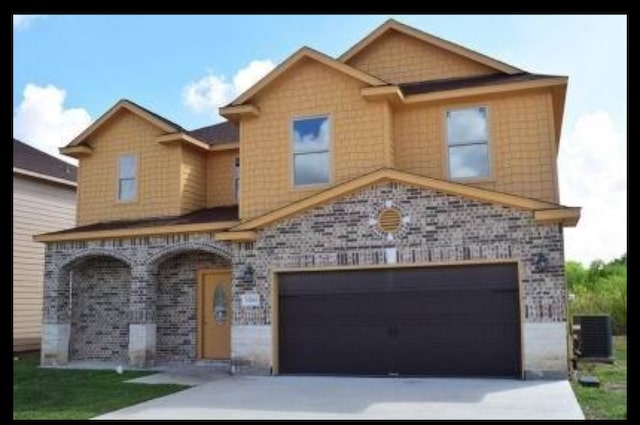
190 377
250 397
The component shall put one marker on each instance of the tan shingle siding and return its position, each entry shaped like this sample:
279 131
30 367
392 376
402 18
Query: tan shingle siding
220 178
307 89
398 58
158 172
193 175
520 135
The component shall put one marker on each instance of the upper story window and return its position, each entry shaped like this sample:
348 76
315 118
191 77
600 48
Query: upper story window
311 144
468 143
127 184
236 179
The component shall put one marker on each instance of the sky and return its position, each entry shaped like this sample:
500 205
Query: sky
69 69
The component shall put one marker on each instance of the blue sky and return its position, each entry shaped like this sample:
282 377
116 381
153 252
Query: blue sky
70 69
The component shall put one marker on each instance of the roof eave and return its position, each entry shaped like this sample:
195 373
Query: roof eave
386 174
76 151
236 113
217 226
121 104
46 177
485 90
182 138
302 53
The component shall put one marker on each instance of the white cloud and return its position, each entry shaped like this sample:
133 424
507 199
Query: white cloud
248 76
210 92
593 174
24 21
42 121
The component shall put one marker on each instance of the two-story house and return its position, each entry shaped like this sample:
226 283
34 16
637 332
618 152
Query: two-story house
391 211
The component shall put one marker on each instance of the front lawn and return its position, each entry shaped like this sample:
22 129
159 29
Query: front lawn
609 401
75 394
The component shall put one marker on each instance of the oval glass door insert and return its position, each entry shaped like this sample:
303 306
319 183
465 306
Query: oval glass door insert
220 304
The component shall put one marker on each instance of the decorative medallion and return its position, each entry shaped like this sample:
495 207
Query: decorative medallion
388 220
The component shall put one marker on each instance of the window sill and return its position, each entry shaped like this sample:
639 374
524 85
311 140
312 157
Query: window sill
472 180
312 186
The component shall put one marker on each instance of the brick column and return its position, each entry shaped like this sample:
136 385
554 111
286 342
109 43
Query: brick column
56 327
142 328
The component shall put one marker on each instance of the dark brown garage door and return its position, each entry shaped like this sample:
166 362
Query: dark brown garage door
436 321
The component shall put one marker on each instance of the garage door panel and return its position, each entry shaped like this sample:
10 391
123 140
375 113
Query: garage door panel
336 350
436 349
437 321
337 309
455 306
456 363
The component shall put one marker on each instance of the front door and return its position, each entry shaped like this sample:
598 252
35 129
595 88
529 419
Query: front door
215 314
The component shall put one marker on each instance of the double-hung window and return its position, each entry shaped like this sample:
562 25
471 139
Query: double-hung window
311 150
468 143
127 181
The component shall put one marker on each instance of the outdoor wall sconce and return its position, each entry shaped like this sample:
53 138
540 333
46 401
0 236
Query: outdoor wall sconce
540 263
248 274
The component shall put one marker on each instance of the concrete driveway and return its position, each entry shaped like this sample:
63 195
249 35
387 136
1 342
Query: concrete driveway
285 397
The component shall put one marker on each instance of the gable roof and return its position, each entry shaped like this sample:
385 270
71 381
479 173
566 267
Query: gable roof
545 211
307 52
144 113
393 25
224 132
28 158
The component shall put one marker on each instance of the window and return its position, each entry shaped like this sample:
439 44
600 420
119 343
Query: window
311 140
467 143
236 179
127 178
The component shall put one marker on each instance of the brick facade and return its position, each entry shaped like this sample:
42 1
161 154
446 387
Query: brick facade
435 228
100 310
441 228
176 309
123 283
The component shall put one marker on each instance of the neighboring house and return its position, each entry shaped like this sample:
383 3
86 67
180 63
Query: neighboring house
391 211
44 200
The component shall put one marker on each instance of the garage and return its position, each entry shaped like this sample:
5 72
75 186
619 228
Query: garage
403 321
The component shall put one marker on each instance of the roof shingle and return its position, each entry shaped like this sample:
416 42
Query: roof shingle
209 215
31 159
430 86
225 132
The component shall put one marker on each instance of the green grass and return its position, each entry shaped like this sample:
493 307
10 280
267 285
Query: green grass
609 401
75 394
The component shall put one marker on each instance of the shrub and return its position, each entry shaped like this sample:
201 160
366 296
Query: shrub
600 289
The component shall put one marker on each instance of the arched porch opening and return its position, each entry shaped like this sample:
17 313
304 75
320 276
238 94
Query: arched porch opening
176 278
99 314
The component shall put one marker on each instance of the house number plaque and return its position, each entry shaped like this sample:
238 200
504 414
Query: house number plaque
250 299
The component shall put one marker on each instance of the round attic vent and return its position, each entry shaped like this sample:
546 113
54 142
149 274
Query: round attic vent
389 220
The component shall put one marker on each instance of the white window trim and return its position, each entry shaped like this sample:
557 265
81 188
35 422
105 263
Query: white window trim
480 179
293 153
135 179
